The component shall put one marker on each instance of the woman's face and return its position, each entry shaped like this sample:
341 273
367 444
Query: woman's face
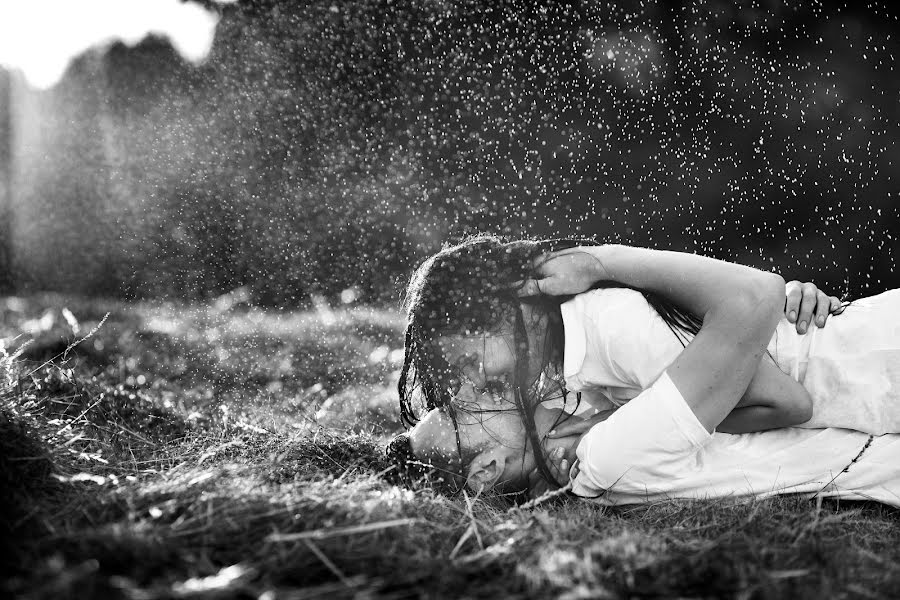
488 423
484 422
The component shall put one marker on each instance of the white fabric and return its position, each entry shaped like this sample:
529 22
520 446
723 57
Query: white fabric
655 449
617 345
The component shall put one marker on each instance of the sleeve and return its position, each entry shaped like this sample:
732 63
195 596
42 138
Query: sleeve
629 337
643 447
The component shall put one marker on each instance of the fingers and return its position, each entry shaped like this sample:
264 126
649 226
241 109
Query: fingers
805 304
529 287
536 286
578 426
573 426
807 307
559 465
563 272
549 264
837 307
548 286
823 308
543 259
793 294
561 468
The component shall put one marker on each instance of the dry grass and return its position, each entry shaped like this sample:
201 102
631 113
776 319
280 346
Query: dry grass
185 452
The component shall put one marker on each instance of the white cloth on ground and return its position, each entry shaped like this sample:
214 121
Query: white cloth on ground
655 449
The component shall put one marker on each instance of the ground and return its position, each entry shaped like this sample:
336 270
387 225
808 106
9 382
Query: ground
219 451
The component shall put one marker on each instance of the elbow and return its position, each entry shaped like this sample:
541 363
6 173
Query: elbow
775 280
766 292
801 412
754 308
806 413
762 293
769 288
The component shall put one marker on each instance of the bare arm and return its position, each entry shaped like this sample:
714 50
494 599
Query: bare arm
773 399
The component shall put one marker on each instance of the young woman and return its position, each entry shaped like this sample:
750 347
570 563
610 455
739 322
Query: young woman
466 320
659 445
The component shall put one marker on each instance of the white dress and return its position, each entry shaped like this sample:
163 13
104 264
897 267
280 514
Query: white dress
616 345
655 449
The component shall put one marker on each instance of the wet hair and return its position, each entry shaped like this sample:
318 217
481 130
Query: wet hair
472 288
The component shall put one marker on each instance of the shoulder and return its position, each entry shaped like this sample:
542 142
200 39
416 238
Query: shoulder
608 300
611 308
597 322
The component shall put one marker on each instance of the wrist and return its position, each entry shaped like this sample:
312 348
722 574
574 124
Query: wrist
603 265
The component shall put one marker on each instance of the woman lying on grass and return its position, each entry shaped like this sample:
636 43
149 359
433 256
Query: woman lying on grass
440 330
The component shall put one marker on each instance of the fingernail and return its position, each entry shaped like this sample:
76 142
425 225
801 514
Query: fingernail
793 316
820 321
802 327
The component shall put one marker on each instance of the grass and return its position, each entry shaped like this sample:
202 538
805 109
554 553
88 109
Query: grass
195 452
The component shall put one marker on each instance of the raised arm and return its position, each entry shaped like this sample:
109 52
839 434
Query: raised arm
740 307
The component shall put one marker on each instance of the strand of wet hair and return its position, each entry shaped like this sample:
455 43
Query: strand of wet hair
525 409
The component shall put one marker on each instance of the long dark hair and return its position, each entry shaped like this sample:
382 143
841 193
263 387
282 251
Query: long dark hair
472 287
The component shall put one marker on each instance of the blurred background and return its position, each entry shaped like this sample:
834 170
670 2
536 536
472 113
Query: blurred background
288 152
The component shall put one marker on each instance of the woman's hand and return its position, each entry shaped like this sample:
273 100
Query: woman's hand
577 426
805 301
559 459
562 273
559 467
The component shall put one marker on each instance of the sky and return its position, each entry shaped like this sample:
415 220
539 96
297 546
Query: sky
40 37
